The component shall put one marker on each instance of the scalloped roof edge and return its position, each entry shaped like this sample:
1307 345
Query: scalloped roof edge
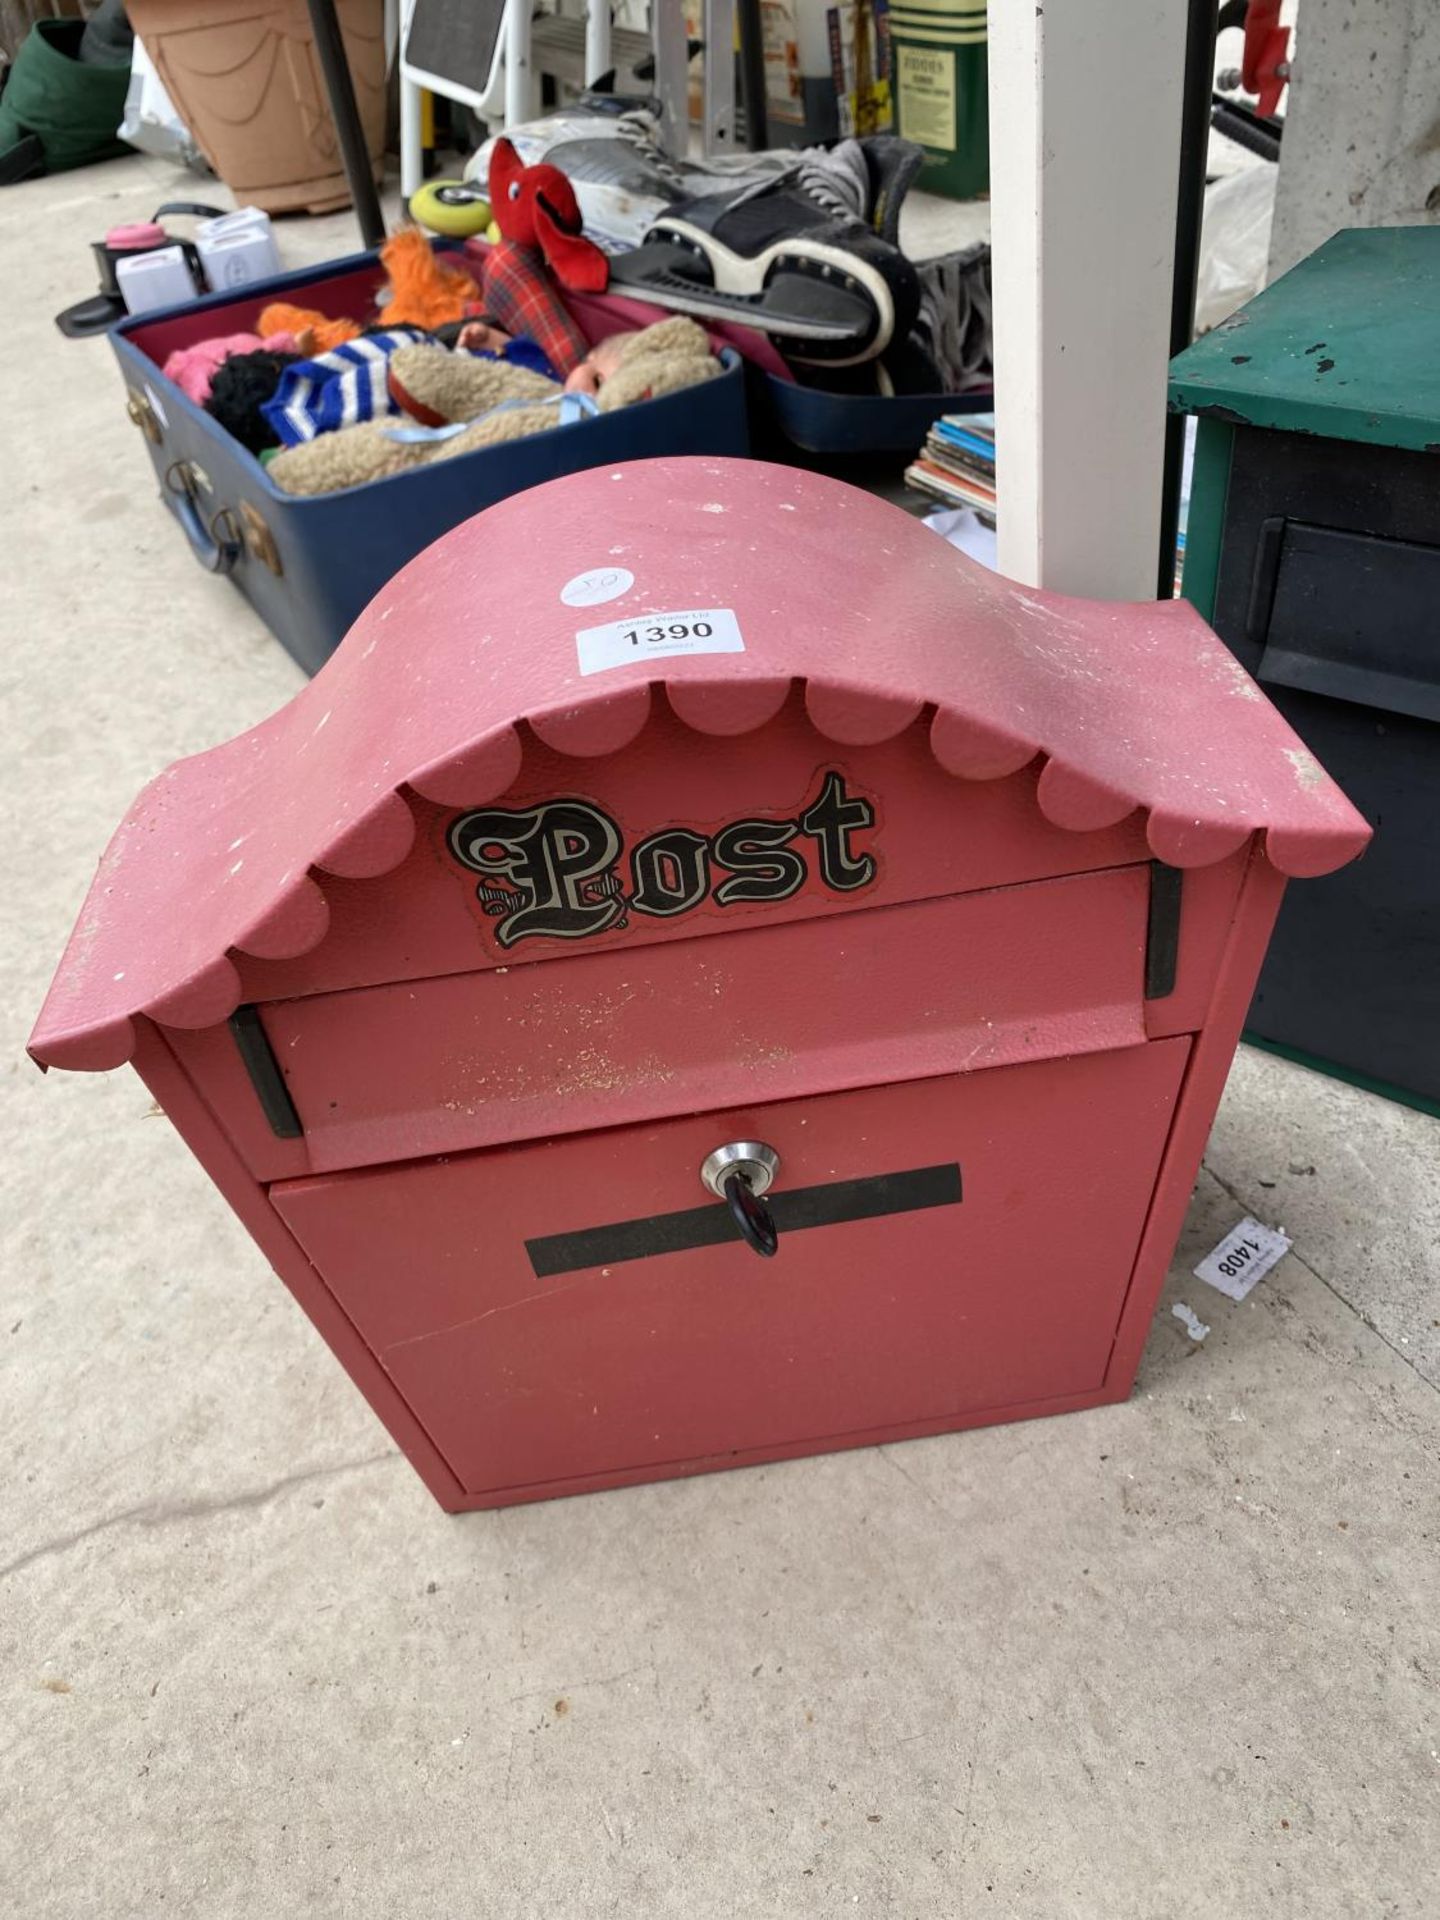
481 773
1127 706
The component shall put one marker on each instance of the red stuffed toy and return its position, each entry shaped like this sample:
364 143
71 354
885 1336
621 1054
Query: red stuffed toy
540 235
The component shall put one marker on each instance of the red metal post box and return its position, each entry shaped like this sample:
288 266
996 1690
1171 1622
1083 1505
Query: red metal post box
708 818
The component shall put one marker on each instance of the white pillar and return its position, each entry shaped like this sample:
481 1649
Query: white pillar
1085 104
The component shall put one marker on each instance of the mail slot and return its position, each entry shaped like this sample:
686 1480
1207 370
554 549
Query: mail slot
706 974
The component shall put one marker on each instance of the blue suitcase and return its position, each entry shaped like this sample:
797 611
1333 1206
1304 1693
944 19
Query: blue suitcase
309 564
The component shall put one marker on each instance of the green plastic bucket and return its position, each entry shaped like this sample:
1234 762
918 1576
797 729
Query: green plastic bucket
940 73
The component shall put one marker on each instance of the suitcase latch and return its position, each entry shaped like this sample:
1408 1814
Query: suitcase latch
259 540
142 414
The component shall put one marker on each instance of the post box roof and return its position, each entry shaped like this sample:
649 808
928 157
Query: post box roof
1125 706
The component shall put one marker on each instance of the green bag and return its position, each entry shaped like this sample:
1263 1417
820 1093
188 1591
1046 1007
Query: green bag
71 109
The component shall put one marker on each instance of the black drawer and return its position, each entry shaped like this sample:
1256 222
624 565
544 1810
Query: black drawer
1351 615
1330 565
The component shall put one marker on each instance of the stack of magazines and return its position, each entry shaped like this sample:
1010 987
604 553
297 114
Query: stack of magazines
957 463
956 466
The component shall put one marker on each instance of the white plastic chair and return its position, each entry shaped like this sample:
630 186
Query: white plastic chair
507 96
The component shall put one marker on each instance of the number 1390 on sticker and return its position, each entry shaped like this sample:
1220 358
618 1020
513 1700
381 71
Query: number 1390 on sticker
658 636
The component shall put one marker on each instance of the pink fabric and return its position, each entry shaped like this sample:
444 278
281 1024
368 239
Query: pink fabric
193 368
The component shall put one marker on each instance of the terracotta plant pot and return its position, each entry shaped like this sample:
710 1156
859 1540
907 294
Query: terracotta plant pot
246 80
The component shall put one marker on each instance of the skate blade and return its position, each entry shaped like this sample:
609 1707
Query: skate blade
670 290
753 290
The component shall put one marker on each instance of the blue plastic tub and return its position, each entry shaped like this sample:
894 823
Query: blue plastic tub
841 423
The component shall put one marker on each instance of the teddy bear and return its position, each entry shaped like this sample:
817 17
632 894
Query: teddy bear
453 403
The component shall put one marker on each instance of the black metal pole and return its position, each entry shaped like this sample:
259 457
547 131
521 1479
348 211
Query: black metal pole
752 74
1189 207
341 88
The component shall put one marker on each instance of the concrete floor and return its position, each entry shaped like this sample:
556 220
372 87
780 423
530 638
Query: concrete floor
1175 1658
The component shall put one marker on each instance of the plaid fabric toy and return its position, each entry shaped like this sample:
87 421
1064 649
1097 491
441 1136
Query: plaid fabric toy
336 389
541 249
522 298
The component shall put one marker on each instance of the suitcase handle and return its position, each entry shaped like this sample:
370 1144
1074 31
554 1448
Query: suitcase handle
217 545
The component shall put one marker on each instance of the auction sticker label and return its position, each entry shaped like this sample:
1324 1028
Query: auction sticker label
658 636
1245 1255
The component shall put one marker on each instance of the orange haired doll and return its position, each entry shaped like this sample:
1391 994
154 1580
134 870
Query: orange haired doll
424 292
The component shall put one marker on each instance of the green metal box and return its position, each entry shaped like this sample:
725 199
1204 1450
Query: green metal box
1313 548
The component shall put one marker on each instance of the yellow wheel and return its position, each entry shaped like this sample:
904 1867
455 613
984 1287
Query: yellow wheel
451 207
